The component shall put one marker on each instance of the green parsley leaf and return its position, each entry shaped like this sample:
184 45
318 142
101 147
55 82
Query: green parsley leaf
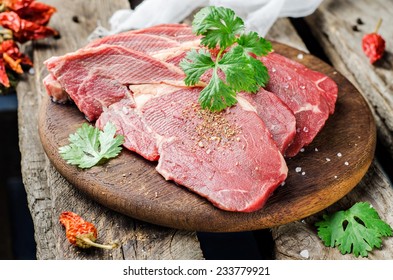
357 230
252 43
195 64
239 73
235 66
218 25
89 146
217 95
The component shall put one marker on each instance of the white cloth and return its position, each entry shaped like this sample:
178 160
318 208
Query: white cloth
258 15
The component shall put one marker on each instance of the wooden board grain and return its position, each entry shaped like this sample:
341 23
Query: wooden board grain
129 184
49 193
333 25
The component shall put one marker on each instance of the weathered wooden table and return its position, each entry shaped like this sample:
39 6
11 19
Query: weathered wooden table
332 26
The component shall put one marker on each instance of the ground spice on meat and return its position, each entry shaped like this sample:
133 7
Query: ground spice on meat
211 127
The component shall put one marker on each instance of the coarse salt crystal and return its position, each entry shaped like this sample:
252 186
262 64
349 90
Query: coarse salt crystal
339 154
316 149
305 129
298 169
302 87
303 173
283 184
300 56
327 159
335 177
346 163
273 69
125 110
302 150
305 254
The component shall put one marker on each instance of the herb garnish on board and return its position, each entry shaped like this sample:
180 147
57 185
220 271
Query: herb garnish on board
357 230
229 50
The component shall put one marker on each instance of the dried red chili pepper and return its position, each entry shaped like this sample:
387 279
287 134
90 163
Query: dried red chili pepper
16 4
24 30
81 233
3 75
10 48
373 44
36 12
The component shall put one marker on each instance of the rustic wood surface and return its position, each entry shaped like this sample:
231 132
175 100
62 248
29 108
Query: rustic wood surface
129 184
49 193
333 25
299 240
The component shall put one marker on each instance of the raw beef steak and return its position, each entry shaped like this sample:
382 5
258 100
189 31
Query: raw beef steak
277 117
221 156
98 77
310 95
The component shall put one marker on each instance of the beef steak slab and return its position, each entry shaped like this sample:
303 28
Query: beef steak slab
98 77
227 157
309 94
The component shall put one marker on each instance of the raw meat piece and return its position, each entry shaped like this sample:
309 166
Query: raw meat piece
229 157
145 43
137 137
276 115
220 156
325 85
130 123
310 95
175 31
98 77
55 90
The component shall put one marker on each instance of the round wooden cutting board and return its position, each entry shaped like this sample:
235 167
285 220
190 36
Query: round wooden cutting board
330 167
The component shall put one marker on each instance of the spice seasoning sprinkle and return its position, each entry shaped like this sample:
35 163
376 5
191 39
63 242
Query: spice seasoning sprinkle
211 127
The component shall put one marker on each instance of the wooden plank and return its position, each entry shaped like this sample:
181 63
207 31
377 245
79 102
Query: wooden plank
49 193
291 239
332 24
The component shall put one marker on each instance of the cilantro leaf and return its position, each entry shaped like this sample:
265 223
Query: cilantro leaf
217 95
239 73
357 230
195 65
251 42
235 65
260 73
218 25
89 146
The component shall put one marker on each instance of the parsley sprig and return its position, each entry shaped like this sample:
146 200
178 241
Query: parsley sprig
235 68
357 230
90 146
